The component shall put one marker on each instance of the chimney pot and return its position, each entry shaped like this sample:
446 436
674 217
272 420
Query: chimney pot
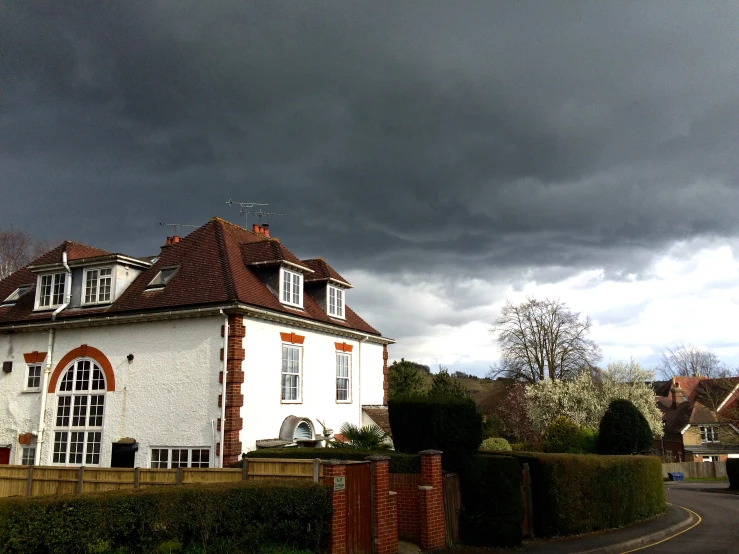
265 229
175 239
255 228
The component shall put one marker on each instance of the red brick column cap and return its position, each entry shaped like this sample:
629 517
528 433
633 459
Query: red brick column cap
391 493
334 462
425 488
430 452
377 458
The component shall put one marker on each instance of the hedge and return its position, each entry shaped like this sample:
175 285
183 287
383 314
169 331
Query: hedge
732 469
452 425
574 494
256 515
400 462
492 513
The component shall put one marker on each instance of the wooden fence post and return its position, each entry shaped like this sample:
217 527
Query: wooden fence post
316 466
29 484
244 469
135 478
178 479
80 479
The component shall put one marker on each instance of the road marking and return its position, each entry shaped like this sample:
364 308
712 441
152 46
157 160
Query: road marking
673 536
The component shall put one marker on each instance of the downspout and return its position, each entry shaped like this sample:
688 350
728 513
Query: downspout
49 357
223 393
359 376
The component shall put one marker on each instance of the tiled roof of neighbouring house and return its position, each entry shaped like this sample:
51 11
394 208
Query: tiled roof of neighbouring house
216 264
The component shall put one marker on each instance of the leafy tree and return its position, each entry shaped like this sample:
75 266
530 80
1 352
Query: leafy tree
509 406
542 339
404 378
444 384
369 437
624 430
686 360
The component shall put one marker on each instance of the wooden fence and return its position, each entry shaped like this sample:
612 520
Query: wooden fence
52 480
696 470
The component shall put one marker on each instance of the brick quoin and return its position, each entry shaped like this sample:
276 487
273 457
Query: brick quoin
232 446
431 501
385 385
331 469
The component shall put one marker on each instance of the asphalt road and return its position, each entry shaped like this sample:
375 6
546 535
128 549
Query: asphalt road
718 532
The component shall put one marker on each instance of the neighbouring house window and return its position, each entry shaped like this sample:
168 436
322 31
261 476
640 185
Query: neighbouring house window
78 423
709 434
171 458
710 458
98 285
51 290
28 455
343 365
163 277
291 373
335 301
33 381
291 288
16 294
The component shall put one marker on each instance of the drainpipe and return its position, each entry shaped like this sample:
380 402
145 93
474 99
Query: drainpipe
359 376
223 393
49 357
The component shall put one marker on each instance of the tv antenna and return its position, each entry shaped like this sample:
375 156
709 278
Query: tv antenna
244 209
175 225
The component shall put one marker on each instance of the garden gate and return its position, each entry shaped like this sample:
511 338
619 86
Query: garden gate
452 505
358 508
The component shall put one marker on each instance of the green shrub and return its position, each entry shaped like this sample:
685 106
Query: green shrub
732 469
493 510
563 436
574 494
624 430
452 425
399 462
495 444
251 515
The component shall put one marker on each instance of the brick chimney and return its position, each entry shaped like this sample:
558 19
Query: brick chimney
260 229
170 241
678 395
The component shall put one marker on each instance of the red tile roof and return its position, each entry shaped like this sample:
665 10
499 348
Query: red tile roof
212 262
688 384
322 272
75 251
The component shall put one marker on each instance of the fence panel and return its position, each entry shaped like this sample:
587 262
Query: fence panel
452 505
695 470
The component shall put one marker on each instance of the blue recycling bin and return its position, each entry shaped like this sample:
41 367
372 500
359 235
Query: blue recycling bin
676 476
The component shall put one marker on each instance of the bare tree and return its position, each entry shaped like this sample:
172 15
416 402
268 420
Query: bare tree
542 339
686 360
16 250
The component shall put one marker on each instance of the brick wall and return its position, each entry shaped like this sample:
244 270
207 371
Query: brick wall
431 501
406 504
338 519
386 528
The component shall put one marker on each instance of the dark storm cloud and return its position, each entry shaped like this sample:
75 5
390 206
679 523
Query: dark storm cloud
443 137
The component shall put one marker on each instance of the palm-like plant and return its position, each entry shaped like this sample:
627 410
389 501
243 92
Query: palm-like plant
369 437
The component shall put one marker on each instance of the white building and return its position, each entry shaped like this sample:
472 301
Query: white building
224 342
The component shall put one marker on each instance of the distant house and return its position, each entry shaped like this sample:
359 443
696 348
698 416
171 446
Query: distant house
224 342
701 418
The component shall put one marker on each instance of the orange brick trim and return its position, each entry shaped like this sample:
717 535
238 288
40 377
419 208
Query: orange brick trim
385 384
34 357
292 338
343 347
232 447
83 351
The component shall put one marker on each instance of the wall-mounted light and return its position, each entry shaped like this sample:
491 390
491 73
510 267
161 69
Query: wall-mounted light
129 358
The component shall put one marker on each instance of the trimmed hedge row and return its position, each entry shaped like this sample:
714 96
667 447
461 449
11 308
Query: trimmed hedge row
399 461
732 470
574 494
255 515
493 509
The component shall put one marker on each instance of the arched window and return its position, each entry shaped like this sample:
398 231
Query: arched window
78 422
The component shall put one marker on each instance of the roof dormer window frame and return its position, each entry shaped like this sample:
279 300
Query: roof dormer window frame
335 301
98 285
162 278
291 288
50 289
17 294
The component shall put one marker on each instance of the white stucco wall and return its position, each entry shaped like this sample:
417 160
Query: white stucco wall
263 411
167 396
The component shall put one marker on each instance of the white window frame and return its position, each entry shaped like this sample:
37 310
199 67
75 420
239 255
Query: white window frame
17 294
173 452
28 455
158 282
34 367
54 294
709 434
96 296
288 295
285 372
340 358
711 458
69 428
338 307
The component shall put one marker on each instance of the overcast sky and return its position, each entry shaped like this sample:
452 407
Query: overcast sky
442 156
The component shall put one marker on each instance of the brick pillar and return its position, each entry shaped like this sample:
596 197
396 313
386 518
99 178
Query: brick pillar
385 532
231 433
431 501
385 385
331 469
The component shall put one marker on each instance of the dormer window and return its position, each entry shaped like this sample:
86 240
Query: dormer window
162 278
335 302
50 290
291 288
16 294
98 285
